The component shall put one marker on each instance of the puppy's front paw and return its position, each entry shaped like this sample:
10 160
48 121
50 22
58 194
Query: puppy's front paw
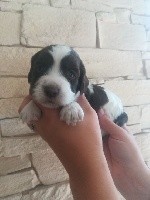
30 112
72 113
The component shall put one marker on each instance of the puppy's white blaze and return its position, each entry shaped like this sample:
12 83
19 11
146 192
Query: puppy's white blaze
58 52
114 107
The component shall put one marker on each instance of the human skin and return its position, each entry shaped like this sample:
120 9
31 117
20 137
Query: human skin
80 150
128 169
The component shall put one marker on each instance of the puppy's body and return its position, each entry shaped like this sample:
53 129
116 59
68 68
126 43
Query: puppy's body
57 77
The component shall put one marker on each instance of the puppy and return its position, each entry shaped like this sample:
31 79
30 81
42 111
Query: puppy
57 77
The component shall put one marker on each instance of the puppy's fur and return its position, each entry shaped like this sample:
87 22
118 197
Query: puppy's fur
57 77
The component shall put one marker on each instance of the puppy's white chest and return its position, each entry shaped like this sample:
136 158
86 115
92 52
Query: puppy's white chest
114 107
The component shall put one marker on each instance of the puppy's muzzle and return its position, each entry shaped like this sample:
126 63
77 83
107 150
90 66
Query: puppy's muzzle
51 91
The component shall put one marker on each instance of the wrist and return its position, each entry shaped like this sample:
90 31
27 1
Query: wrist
138 186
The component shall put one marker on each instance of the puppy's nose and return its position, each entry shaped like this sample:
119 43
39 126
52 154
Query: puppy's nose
51 91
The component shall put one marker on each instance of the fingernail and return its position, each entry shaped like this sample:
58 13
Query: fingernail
101 112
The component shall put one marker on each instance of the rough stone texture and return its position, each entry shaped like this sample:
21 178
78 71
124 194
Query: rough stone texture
146 55
60 3
143 141
10 24
9 107
124 37
106 16
134 129
117 63
147 46
14 183
14 127
10 6
90 5
1 147
12 197
134 115
131 92
13 164
56 192
147 68
145 120
122 15
148 35
141 20
75 28
49 168
15 61
13 87
29 1
23 145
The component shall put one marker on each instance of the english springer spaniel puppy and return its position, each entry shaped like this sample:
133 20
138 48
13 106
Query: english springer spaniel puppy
57 77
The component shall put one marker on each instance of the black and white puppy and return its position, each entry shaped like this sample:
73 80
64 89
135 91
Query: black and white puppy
57 77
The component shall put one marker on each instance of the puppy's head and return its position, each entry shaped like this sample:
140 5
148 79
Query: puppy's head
56 76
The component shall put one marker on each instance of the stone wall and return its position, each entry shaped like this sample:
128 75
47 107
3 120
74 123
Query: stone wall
113 40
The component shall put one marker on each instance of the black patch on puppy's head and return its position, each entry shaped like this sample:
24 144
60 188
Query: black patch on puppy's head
73 70
41 62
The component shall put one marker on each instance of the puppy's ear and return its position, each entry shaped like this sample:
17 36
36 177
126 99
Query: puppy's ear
33 63
83 80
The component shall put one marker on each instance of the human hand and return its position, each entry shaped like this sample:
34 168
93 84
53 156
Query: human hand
128 169
80 150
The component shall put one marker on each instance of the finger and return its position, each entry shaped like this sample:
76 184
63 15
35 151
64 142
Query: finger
110 127
26 100
84 103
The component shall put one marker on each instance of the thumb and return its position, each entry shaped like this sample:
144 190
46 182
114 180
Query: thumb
84 103
110 127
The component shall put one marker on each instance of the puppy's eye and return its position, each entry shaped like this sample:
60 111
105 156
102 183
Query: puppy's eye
71 75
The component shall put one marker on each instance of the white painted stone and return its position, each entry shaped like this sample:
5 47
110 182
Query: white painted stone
66 26
122 15
14 183
145 120
1 147
25 197
12 197
44 2
146 55
147 46
148 35
13 164
143 141
121 36
106 16
23 145
10 6
110 63
91 5
48 167
134 129
10 24
15 61
141 20
147 68
60 3
29 1
55 192
13 87
9 107
142 7
131 92
14 127
134 115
